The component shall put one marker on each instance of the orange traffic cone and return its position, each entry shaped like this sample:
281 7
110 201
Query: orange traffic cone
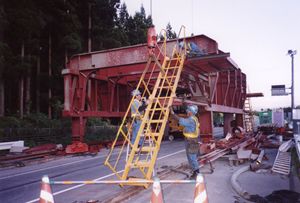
156 196
200 195
46 194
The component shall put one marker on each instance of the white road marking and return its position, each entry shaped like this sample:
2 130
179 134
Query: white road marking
100 178
51 167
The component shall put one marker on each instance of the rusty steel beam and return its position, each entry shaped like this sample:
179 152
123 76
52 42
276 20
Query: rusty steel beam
224 109
257 94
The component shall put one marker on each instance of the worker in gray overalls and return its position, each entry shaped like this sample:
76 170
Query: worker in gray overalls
191 133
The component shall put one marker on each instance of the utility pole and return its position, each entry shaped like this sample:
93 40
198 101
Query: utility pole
151 8
50 77
292 53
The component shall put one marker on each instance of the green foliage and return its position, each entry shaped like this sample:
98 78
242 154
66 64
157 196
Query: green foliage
37 120
35 129
100 133
170 34
10 122
97 122
218 118
137 27
32 23
57 107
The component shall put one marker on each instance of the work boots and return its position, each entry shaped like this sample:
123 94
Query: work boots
194 175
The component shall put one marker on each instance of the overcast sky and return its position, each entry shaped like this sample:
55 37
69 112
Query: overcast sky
257 33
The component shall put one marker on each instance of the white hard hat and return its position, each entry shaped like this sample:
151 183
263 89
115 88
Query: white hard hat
193 109
135 92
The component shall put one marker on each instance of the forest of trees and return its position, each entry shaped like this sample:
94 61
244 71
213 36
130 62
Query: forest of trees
38 36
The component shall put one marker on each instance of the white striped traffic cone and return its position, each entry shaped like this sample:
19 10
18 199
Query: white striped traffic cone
46 193
157 196
200 195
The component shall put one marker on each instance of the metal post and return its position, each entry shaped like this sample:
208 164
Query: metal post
292 81
292 53
151 8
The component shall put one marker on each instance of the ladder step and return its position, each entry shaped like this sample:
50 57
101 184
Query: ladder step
166 87
147 149
170 77
173 59
156 121
172 68
140 164
165 97
159 109
154 134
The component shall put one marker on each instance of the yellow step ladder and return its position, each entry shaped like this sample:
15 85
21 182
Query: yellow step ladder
158 83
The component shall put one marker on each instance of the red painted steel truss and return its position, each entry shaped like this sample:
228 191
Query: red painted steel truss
98 84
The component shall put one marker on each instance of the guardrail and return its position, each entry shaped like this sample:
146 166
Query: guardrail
8 145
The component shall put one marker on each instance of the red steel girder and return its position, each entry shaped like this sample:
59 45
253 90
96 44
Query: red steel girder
98 84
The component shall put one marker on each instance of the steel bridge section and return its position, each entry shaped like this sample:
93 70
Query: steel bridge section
98 84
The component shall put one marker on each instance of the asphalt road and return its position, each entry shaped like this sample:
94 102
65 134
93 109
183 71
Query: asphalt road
23 184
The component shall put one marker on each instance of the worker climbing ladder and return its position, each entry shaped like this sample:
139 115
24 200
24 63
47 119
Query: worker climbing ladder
248 116
158 83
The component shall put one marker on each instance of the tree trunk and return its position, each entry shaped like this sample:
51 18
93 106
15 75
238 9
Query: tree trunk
2 106
38 93
21 97
50 77
66 56
2 93
22 84
27 93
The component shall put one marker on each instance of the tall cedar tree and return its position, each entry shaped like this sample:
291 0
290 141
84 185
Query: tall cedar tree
170 34
137 27
26 26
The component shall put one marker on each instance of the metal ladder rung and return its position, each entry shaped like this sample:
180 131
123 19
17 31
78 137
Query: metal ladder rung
147 149
173 59
170 77
155 134
166 87
165 97
172 68
158 109
156 121
140 164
